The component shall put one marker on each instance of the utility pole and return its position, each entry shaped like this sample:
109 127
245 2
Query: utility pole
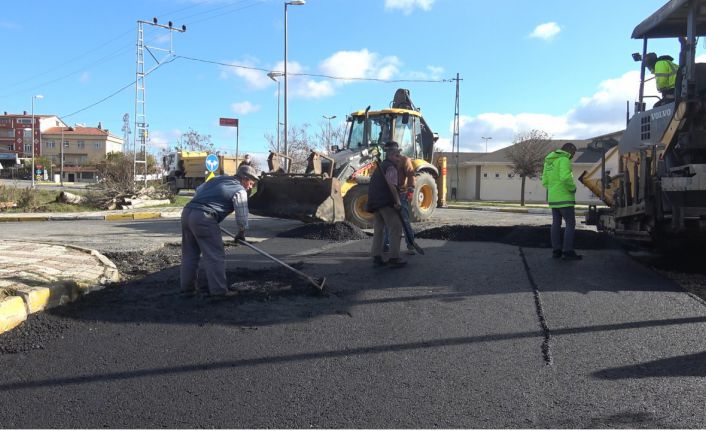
456 138
141 125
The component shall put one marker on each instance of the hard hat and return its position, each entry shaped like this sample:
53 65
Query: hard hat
247 171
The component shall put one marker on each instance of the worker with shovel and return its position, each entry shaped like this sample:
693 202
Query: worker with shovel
200 233
384 202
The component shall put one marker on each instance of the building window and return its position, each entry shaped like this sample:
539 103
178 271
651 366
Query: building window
7 133
9 147
497 175
97 145
81 145
66 144
28 148
51 144
485 175
4 121
24 121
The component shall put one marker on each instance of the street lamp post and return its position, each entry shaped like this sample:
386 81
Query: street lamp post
273 76
38 96
328 144
486 142
293 3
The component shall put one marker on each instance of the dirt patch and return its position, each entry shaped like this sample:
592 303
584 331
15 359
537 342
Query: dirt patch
521 236
334 232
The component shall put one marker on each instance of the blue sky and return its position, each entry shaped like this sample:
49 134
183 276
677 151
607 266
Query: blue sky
556 65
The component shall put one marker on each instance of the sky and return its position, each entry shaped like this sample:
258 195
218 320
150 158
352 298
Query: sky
562 67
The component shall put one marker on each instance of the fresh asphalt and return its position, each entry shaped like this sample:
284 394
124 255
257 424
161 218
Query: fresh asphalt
470 335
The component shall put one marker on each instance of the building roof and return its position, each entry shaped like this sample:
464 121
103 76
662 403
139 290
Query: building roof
588 151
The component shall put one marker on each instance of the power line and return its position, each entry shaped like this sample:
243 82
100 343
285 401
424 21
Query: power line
339 78
116 92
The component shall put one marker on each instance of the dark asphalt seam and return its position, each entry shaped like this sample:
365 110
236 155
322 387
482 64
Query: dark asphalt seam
546 348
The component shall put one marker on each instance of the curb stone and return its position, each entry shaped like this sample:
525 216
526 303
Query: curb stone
26 300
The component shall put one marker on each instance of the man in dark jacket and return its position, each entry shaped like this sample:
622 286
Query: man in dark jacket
384 202
200 231
558 179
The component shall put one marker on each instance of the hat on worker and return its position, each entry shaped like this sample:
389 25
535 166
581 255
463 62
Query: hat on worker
650 60
391 146
247 171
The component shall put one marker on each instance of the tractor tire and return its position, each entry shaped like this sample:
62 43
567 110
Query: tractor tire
354 204
425 197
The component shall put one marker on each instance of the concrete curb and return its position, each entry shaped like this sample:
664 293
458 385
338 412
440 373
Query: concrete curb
146 215
511 210
16 308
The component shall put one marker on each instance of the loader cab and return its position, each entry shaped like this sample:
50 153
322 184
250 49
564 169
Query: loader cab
374 128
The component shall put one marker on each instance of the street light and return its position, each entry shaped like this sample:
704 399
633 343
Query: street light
273 76
38 96
329 129
486 142
293 3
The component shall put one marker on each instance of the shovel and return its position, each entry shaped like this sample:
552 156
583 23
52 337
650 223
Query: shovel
406 229
319 284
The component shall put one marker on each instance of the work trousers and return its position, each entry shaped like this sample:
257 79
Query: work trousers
201 238
569 216
405 210
390 218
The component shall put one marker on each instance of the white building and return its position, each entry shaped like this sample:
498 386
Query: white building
490 177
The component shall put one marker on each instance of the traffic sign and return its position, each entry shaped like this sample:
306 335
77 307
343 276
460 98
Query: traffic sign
211 162
231 122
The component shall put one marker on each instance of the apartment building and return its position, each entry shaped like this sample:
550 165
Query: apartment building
83 148
16 133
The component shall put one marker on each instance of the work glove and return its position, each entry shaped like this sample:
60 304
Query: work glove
410 194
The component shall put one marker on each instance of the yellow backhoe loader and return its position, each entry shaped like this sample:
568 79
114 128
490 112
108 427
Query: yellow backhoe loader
335 186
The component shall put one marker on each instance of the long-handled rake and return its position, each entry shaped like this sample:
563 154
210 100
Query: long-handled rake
319 284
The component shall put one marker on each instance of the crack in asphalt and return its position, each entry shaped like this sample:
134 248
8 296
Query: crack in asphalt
546 346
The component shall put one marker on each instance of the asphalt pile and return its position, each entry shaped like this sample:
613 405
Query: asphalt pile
521 236
334 232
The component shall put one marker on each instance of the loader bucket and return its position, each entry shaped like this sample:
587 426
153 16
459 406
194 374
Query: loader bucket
301 197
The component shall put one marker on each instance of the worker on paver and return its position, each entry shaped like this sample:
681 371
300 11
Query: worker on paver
200 231
665 71
558 179
384 202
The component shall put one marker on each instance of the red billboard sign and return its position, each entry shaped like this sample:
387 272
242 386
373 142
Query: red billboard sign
232 122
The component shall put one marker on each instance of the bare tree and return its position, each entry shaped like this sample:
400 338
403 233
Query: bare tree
194 141
299 145
527 156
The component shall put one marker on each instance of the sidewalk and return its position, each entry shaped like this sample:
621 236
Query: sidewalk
115 215
35 276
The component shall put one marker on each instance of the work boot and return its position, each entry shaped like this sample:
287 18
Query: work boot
377 261
188 291
386 248
396 263
571 255
556 254
411 250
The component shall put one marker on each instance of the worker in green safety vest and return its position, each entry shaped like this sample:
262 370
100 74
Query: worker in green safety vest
558 179
665 71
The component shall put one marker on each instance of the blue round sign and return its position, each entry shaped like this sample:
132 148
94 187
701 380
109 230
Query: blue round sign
211 163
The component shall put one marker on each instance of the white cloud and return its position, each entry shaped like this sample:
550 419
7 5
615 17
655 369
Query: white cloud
546 31
256 79
162 140
408 6
360 64
602 112
243 108
9 25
